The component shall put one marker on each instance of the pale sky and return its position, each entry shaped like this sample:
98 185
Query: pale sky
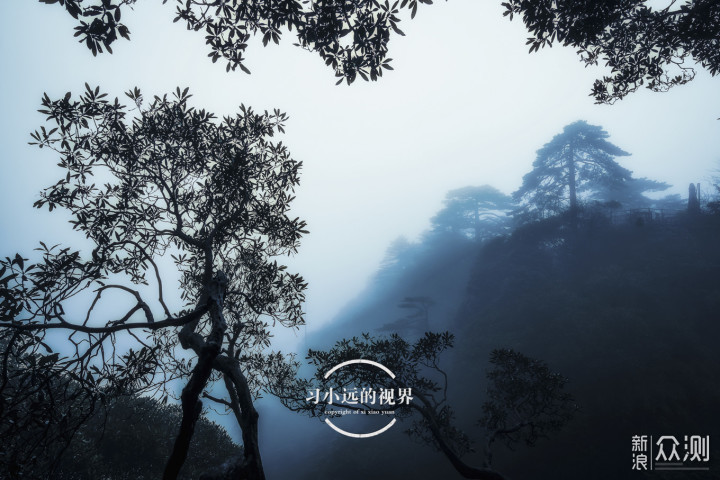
465 105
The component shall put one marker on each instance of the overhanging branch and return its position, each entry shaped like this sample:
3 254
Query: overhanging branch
169 322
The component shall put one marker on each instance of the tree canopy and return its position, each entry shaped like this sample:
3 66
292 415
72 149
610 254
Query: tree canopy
351 37
214 195
641 45
476 212
576 161
631 193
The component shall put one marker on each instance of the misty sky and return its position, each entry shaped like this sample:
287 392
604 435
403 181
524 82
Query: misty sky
465 105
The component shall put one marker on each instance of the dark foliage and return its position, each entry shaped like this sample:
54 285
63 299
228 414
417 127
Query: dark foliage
640 44
42 407
525 399
131 438
213 195
351 37
628 311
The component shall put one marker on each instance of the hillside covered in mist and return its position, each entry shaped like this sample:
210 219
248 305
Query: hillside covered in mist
627 310
615 289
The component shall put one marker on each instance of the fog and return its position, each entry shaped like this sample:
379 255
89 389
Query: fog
465 105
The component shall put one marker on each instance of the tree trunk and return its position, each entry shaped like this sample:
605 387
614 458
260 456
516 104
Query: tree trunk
467 471
191 409
207 354
693 199
240 395
571 183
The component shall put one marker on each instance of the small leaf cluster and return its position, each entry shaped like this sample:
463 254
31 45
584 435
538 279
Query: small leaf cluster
99 22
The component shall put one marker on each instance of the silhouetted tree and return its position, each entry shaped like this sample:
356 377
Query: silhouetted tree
479 212
526 400
212 194
351 37
642 45
575 161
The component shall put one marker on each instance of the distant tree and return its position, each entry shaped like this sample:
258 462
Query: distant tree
575 161
525 399
477 212
672 203
713 204
213 195
416 321
351 37
629 194
641 44
398 256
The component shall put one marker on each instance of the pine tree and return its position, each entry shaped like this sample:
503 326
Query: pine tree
475 212
578 161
